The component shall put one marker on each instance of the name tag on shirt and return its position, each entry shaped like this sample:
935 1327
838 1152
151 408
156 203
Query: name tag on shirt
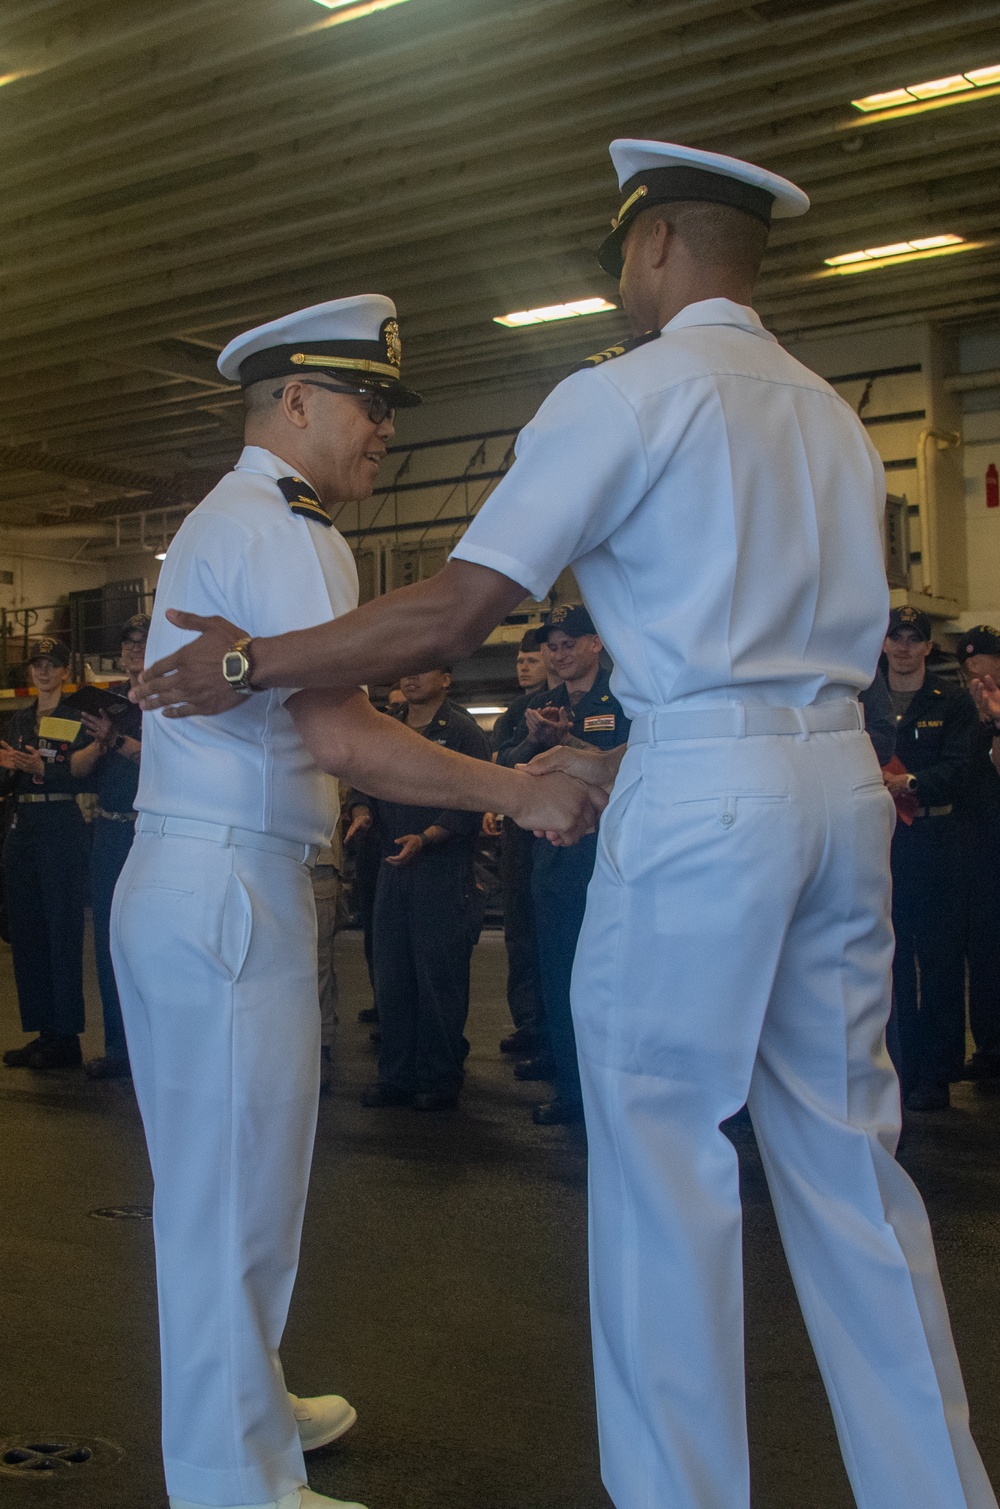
599 723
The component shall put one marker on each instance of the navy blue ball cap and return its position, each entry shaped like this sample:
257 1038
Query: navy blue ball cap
982 640
529 642
137 627
909 618
49 649
571 618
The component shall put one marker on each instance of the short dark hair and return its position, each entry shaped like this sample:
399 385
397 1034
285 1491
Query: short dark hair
259 398
719 235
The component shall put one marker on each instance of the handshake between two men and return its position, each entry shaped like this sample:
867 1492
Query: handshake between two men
560 794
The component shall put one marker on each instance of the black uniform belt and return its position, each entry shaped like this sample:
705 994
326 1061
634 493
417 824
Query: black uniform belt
934 811
48 796
115 817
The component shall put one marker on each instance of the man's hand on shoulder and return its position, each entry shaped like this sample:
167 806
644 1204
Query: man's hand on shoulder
191 681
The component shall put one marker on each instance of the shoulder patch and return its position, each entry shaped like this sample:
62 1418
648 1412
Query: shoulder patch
302 500
622 350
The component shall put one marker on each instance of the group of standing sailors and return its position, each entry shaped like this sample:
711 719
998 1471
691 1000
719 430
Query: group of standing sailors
53 751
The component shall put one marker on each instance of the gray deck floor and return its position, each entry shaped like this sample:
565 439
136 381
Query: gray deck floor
442 1289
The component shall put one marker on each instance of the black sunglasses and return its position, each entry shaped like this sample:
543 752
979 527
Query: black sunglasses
379 406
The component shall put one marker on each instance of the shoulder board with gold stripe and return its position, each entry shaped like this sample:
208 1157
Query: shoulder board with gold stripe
302 500
621 350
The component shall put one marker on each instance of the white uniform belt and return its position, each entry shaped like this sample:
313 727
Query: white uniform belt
218 833
745 720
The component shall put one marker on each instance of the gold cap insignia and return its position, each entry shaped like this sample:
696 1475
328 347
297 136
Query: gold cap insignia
393 344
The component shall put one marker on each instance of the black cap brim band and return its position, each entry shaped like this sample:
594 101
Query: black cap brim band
670 185
324 361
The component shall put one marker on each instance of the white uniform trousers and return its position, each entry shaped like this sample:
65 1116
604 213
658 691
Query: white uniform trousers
737 946
215 955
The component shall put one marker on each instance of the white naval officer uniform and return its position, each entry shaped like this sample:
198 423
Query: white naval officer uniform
721 508
214 941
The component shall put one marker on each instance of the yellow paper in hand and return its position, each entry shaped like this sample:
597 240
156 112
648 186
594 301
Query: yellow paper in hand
58 730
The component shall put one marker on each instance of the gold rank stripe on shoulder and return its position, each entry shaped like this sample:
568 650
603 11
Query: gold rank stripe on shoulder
622 350
302 500
306 509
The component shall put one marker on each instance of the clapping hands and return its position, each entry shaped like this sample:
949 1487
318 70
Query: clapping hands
26 760
548 726
986 695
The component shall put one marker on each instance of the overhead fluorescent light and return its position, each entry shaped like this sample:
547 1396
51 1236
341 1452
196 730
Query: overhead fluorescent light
917 250
896 249
350 10
485 712
551 312
955 84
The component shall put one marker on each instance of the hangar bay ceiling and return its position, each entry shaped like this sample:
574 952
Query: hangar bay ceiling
173 172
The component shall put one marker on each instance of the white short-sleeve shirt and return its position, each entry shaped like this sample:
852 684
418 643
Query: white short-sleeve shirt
243 554
721 507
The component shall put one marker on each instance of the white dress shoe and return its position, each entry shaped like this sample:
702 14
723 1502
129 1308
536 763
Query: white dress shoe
322 1420
299 1498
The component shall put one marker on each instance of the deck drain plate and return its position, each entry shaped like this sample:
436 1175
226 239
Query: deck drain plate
123 1213
49 1456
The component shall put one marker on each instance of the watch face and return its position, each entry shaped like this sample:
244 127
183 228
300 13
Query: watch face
233 665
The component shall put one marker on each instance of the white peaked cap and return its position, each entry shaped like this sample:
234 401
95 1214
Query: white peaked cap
353 340
662 172
631 157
